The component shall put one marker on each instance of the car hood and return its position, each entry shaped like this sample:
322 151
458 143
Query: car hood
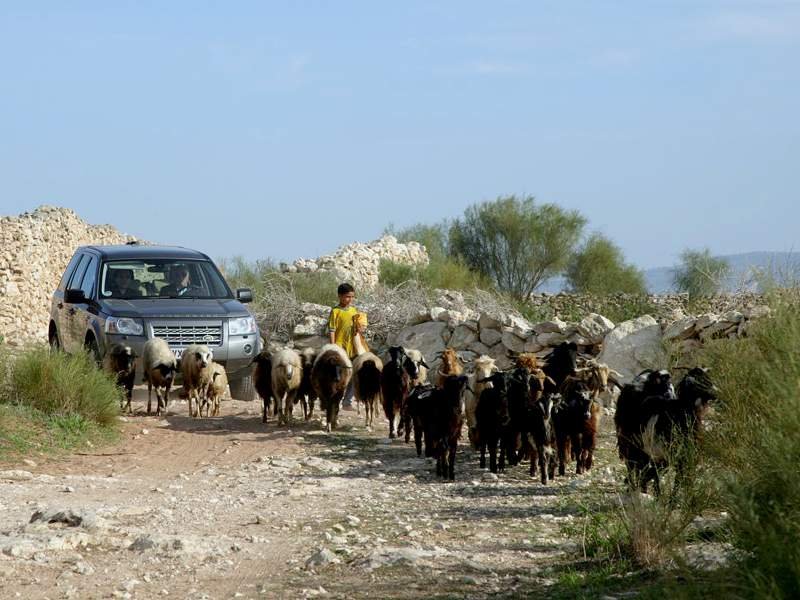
175 308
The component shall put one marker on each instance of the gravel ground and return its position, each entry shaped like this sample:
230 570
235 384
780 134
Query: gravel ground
230 508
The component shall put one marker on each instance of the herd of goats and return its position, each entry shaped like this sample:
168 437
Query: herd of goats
545 410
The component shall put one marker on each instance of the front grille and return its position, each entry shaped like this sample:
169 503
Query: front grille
183 335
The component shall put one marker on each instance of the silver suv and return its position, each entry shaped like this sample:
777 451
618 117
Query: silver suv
133 293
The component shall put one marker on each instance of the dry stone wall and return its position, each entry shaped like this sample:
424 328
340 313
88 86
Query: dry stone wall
628 347
660 306
35 248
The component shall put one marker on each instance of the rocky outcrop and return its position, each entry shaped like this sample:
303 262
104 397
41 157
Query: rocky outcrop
359 263
634 346
35 248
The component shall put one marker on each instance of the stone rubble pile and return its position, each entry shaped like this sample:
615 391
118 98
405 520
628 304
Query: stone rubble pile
359 263
35 248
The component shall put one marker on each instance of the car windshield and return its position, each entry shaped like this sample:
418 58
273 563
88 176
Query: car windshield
162 278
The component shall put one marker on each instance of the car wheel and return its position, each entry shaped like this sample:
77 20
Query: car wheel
243 389
94 350
55 343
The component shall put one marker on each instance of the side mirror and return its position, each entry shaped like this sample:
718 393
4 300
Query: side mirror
72 296
244 295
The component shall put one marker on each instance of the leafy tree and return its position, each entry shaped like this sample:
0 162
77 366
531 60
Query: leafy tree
433 237
515 242
700 274
599 267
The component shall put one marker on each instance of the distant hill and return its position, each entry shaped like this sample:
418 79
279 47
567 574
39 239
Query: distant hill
783 265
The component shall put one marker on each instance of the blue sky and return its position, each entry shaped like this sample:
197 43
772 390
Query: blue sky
286 129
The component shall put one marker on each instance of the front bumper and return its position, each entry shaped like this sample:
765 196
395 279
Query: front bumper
234 352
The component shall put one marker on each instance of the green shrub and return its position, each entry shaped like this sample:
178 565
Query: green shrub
61 384
393 274
318 287
441 272
755 451
599 267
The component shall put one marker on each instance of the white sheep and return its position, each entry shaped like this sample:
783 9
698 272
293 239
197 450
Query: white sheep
422 367
287 374
196 373
216 389
484 367
159 371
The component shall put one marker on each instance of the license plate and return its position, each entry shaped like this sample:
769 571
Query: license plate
178 352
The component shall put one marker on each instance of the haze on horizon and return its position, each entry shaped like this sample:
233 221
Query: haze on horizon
285 130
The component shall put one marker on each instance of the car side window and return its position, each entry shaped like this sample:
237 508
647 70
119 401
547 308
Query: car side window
68 271
87 284
77 275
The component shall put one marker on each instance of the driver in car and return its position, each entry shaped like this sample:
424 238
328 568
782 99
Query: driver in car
180 283
123 285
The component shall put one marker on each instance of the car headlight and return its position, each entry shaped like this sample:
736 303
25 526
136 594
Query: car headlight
242 326
124 326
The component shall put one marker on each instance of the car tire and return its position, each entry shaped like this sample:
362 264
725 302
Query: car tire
243 389
94 350
55 343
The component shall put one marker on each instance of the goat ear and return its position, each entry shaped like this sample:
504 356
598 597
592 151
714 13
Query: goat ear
424 364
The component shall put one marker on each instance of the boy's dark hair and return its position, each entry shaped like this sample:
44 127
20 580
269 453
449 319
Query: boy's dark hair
345 288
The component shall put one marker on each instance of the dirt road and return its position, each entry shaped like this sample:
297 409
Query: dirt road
229 508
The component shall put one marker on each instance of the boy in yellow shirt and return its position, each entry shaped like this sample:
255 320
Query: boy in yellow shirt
340 327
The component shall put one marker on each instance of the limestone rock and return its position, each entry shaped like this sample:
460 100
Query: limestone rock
490 337
680 329
425 337
593 328
359 263
634 346
487 321
310 325
555 325
511 340
462 337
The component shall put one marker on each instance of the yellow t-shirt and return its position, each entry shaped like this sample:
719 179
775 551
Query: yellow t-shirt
340 323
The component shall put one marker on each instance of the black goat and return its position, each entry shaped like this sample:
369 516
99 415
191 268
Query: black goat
121 363
560 364
540 427
443 423
577 419
650 416
514 442
394 389
262 379
492 419
418 409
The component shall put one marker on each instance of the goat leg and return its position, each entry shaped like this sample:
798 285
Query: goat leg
451 463
562 456
493 456
418 436
483 456
149 395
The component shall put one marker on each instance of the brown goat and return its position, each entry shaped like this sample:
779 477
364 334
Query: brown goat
528 361
596 376
450 365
